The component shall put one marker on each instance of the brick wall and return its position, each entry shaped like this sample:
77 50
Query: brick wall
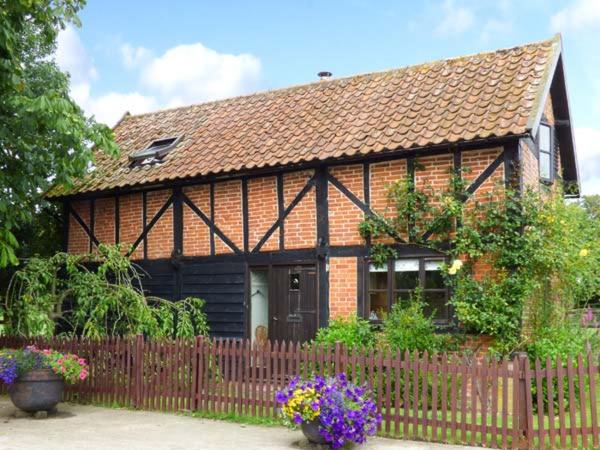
345 216
263 211
343 279
228 214
79 241
130 222
196 234
300 226
432 175
301 223
382 176
160 237
476 162
104 220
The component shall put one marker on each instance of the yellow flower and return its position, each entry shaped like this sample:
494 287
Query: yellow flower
584 252
452 270
457 263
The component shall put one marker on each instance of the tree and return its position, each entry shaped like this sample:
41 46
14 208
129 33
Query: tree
45 138
591 203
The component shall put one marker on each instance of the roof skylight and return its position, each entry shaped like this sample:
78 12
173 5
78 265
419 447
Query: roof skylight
154 152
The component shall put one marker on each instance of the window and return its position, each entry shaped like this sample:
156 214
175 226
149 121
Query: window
154 152
397 280
294 281
546 150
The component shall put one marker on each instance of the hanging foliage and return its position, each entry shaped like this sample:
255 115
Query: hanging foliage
94 295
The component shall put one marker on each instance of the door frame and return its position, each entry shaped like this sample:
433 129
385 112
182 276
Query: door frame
268 267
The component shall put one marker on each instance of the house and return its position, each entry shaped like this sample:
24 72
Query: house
253 202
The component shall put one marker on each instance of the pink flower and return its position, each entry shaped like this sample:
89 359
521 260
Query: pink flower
81 362
61 361
83 375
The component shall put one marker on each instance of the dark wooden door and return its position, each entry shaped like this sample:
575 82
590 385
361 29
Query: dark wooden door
293 303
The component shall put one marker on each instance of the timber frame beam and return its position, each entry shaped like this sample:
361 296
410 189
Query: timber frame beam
209 222
283 213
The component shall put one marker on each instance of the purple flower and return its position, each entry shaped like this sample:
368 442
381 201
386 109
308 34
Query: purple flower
347 412
8 368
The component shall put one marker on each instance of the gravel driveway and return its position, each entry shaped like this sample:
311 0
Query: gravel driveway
78 427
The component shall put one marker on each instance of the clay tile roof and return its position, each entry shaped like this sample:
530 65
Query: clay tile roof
472 97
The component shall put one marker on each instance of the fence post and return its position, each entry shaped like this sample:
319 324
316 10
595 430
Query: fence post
138 370
523 420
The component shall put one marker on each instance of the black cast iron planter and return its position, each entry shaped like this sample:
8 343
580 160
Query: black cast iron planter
311 432
37 390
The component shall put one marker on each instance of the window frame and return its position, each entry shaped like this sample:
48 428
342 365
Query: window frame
392 291
549 152
154 152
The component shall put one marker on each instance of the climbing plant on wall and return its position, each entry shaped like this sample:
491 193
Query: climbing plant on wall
542 253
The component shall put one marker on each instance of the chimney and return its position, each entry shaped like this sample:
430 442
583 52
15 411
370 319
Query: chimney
324 76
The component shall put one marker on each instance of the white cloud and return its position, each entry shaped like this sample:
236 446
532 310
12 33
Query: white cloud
455 20
588 153
579 14
182 75
109 108
493 28
133 57
195 73
72 57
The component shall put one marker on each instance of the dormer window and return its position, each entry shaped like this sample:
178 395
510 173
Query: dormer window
546 152
154 152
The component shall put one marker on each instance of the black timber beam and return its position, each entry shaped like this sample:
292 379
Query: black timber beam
83 225
214 229
321 183
148 227
307 187
483 176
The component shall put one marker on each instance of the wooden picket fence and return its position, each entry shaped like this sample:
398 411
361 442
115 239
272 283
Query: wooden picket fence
440 397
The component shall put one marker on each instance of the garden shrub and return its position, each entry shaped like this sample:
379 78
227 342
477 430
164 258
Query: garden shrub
407 328
560 341
353 332
94 295
567 340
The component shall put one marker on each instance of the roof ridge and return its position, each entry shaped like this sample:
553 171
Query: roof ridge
127 116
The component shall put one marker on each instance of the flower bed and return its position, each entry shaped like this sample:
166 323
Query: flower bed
15 363
344 412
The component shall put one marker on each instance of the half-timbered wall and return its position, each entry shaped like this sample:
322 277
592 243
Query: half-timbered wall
200 239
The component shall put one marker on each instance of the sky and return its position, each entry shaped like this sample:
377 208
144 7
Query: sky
140 56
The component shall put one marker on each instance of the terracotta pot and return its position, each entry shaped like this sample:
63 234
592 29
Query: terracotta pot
37 390
311 432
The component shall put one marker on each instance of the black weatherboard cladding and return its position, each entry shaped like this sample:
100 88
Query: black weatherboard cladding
219 284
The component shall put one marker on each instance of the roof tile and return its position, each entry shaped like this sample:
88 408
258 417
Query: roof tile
484 95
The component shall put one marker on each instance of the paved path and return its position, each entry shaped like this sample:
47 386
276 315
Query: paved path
78 427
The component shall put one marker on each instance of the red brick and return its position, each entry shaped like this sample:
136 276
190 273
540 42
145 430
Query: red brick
343 279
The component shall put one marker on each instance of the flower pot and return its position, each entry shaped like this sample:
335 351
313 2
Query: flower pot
37 390
311 432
